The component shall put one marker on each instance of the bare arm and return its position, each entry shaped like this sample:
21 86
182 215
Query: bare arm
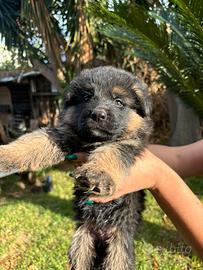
173 195
181 205
184 160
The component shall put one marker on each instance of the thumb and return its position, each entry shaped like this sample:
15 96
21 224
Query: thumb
101 199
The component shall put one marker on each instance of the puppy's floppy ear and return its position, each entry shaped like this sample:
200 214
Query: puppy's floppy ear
142 92
148 104
68 93
30 152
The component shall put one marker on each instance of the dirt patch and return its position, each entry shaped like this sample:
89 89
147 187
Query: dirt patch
9 260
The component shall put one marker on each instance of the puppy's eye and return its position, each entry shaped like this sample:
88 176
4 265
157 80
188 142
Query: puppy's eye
119 102
87 96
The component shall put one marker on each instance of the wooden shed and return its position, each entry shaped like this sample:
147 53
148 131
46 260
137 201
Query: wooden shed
27 101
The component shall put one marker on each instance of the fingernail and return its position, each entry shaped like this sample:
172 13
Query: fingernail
89 202
71 157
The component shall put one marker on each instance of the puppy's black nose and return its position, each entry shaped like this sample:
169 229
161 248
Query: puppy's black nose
99 115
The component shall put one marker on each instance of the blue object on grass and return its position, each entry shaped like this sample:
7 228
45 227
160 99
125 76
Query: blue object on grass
48 184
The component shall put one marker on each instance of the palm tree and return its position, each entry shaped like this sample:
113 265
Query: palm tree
168 35
54 35
19 32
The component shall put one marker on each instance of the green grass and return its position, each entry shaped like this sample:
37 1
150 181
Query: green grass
36 229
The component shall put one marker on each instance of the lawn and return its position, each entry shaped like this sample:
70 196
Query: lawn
36 229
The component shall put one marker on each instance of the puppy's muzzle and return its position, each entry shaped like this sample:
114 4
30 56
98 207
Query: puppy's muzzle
99 115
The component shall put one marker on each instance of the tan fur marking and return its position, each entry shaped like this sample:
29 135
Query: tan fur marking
137 87
81 252
134 122
117 90
121 92
117 258
30 152
106 159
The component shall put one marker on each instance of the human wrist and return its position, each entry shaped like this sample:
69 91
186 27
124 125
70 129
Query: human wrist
145 173
162 177
156 171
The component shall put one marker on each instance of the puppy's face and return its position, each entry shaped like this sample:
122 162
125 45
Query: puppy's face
104 104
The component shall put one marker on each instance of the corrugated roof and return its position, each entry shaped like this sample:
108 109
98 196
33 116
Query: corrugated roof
16 75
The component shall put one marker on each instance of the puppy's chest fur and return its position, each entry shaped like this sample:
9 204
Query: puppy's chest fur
116 128
117 212
110 225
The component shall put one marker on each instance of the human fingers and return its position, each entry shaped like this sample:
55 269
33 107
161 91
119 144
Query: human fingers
105 199
100 199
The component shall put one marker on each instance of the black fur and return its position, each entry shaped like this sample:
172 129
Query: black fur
106 113
92 118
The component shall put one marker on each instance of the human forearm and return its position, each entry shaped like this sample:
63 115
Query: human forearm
181 205
170 191
185 160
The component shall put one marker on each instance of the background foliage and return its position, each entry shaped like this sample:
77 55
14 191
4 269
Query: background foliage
170 39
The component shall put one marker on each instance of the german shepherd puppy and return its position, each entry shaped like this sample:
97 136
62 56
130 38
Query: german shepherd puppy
106 113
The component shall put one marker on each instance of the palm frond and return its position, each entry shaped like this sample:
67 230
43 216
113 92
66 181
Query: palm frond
9 17
192 10
161 39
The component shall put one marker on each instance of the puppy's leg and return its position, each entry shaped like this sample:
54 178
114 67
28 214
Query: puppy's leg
107 166
120 252
81 252
30 152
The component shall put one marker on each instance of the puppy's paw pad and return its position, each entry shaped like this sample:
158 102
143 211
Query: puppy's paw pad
98 183
94 180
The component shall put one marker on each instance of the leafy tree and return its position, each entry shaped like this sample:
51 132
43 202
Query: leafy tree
60 38
54 35
166 34
170 37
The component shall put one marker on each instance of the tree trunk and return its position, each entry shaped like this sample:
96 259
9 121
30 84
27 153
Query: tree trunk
54 42
84 39
185 124
47 73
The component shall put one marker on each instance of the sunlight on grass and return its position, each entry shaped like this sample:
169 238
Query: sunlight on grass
36 230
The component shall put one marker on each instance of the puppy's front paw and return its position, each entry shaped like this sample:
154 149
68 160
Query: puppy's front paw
94 181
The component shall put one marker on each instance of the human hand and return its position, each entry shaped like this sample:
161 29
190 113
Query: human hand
144 174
